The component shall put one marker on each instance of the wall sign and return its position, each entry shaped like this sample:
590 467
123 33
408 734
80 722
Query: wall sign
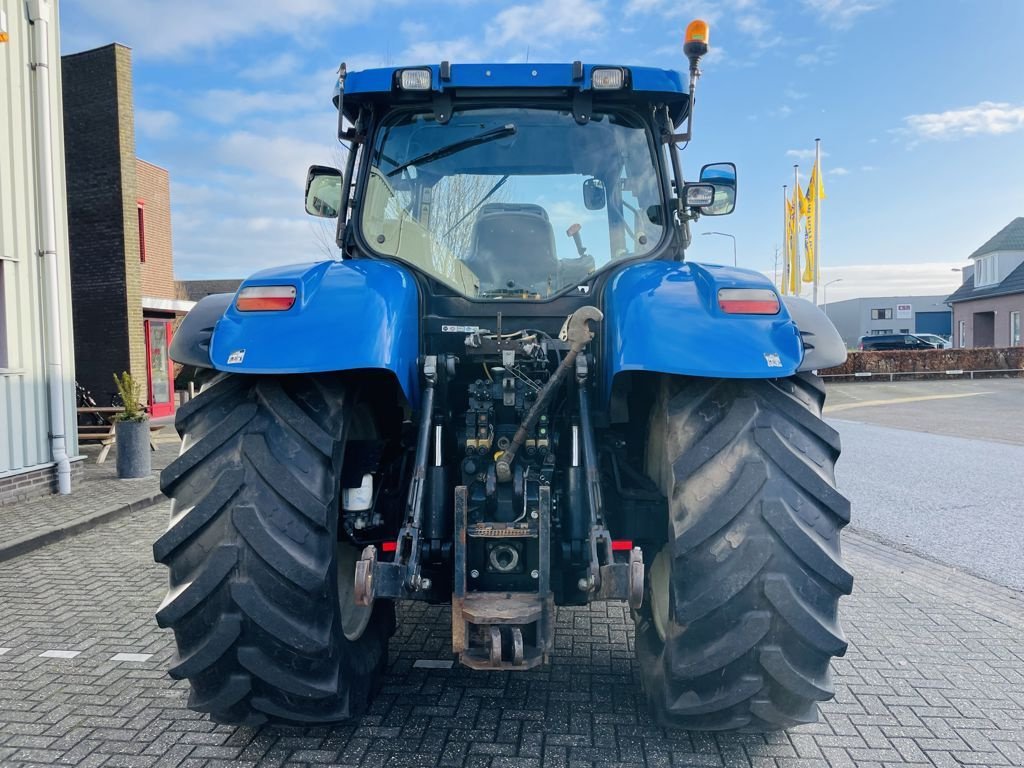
904 311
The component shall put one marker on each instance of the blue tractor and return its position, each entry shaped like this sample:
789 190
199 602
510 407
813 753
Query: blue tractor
510 393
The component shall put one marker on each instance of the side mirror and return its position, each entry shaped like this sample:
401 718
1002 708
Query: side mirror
723 177
323 191
594 197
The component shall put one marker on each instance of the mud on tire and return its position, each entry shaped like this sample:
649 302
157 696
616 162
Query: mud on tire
253 553
740 620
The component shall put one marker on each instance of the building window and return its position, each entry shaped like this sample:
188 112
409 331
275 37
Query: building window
4 361
881 314
142 232
904 330
962 335
1015 329
985 272
880 332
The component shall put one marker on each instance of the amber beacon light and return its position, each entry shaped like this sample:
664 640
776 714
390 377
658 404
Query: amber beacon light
695 44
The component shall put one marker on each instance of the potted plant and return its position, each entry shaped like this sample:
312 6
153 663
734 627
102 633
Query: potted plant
131 430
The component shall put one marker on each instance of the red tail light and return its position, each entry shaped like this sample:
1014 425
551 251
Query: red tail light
265 298
748 301
388 546
621 545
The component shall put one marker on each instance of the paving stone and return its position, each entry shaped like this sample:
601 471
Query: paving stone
934 676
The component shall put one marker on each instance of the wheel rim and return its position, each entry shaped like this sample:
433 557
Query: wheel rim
659 578
354 618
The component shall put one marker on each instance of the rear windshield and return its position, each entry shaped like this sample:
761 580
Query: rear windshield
512 202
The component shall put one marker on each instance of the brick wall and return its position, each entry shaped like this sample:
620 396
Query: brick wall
39 482
99 134
923 361
154 192
129 213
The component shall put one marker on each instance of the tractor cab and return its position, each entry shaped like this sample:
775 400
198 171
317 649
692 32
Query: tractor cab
513 181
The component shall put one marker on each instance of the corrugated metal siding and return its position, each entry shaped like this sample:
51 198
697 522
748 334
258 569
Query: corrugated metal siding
24 427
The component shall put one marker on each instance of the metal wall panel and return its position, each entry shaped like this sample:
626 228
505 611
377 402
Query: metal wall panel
24 428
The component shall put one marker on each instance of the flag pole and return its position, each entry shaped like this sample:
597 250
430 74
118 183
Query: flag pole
785 240
796 231
817 217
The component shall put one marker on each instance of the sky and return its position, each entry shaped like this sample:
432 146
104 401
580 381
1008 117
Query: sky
919 106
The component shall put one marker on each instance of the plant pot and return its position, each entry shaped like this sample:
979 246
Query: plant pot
133 452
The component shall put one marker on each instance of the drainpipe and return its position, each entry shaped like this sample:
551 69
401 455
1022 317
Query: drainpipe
39 14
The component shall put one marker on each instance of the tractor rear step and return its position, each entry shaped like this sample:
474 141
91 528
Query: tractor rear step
492 630
499 629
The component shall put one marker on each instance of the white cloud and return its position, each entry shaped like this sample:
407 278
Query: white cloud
860 280
634 7
822 54
841 13
156 123
280 157
227 106
838 171
753 24
276 67
237 246
414 29
985 118
756 24
513 32
434 51
158 28
547 21
803 154
869 280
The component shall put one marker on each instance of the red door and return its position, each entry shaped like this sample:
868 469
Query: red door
161 382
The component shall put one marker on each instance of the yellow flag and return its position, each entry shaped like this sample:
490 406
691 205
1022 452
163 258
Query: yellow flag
815 193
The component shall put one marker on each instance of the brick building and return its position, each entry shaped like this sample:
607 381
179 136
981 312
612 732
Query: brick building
122 273
989 305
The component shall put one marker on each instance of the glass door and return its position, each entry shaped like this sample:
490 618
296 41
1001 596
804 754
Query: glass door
161 383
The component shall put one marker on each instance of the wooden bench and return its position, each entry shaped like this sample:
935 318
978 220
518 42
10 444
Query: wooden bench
104 433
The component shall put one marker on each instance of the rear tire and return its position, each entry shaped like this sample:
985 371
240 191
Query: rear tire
258 578
740 620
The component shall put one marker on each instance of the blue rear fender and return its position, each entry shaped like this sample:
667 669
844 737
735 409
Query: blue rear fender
347 315
664 317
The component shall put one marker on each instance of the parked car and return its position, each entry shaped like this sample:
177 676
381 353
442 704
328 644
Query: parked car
940 342
894 341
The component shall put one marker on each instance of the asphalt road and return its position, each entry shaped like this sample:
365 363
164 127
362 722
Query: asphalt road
985 409
913 481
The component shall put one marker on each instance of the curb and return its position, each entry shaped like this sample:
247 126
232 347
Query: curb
72 527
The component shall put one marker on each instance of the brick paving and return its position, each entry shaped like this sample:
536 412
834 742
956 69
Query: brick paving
934 677
98 490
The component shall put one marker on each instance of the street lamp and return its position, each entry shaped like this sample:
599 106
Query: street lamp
726 234
824 293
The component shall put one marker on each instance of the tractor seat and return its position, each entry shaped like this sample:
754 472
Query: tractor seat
513 247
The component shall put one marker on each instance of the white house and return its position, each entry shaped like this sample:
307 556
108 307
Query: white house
37 392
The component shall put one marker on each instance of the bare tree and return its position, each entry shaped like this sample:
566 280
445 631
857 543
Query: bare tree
454 201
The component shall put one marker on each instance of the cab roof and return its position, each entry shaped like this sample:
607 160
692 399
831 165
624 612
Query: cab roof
640 84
